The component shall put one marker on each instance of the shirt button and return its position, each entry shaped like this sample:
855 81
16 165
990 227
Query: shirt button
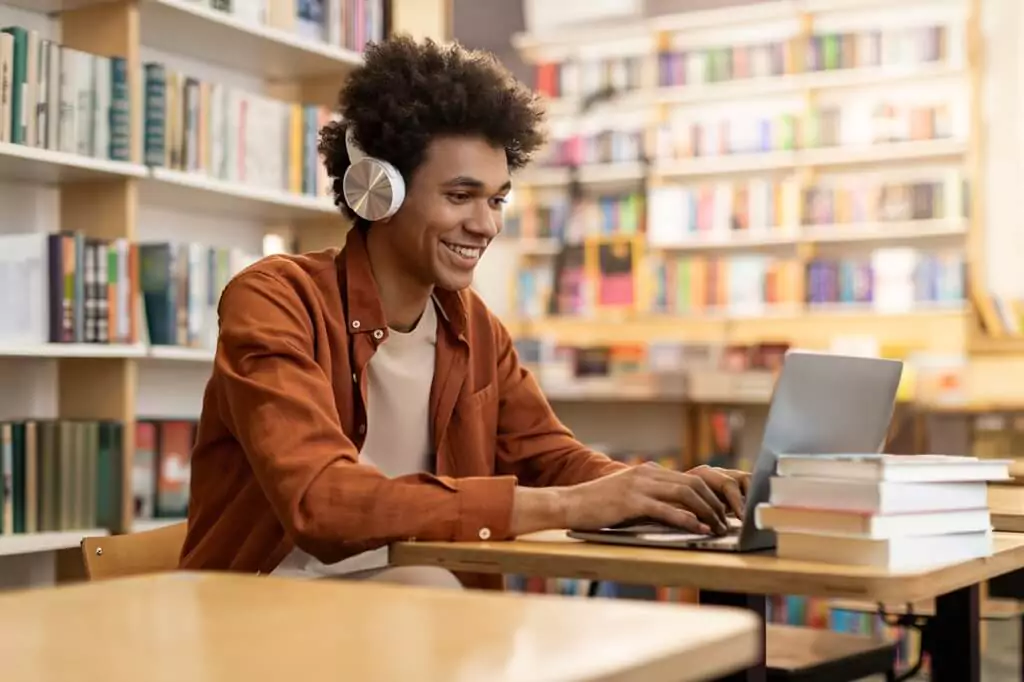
378 334
485 533
355 324
355 379
362 428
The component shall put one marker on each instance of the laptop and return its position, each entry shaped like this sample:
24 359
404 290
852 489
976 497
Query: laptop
822 403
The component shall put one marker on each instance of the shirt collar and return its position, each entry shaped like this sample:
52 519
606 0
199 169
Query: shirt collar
364 309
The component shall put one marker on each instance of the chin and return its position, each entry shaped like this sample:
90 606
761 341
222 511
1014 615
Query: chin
450 282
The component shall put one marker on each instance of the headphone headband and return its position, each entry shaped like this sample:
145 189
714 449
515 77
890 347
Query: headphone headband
355 153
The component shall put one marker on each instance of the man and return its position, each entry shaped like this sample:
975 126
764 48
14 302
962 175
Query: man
367 396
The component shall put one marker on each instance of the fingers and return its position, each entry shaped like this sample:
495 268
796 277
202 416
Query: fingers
686 494
734 498
699 485
674 516
708 496
742 478
728 488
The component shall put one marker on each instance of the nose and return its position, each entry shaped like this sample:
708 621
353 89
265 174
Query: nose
486 222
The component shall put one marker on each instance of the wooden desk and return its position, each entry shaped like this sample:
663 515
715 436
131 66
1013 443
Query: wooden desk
551 554
191 626
1006 504
744 579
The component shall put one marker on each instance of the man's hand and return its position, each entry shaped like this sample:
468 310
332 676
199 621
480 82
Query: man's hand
729 484
692 500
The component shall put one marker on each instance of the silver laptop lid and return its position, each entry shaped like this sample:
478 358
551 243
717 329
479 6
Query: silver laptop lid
822 403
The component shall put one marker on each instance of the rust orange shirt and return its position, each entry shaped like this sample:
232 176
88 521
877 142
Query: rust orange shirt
276 462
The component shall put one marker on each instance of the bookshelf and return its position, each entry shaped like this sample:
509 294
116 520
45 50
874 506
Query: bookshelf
130 198
833 150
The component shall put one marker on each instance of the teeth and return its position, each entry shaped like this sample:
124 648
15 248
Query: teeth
465 252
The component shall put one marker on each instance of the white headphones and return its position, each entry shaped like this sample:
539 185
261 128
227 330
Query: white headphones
374 189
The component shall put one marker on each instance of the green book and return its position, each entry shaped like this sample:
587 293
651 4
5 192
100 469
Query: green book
831 52
19 81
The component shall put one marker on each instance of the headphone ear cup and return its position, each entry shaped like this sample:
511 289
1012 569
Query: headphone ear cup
374 189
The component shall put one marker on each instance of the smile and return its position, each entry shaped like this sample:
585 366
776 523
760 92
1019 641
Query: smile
471 253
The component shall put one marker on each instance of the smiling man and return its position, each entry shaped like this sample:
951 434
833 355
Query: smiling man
367 395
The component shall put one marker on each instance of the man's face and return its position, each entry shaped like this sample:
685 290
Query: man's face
452 211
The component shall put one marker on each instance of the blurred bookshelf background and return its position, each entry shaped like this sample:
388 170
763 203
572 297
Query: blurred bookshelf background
725 180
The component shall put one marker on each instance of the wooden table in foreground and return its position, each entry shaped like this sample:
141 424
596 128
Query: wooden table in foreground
745 579
210 626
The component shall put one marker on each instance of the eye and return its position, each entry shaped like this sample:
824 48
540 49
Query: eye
458 197
498 202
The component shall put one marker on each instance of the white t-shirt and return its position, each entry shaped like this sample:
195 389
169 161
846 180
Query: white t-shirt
398 429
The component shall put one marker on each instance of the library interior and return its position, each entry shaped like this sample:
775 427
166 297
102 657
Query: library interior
619 461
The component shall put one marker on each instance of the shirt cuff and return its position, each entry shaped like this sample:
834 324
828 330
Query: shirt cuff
485 508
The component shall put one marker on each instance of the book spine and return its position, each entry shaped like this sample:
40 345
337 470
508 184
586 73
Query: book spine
155 137
19 82
119 119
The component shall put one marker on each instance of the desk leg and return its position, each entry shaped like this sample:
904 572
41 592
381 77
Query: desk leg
756 603
955 640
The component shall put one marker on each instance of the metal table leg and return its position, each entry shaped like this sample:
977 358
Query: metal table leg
955 639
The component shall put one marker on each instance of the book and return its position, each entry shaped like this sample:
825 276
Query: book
876 497
903 553
863 524
161 468
884 467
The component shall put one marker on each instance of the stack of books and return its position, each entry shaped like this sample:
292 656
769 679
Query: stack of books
896 512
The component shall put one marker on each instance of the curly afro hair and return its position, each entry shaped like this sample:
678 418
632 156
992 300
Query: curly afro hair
405 93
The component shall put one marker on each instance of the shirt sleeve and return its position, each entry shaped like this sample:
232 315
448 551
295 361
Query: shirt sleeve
532 443
279 404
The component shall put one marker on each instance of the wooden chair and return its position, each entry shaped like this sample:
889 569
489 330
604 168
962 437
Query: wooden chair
118 556
801 654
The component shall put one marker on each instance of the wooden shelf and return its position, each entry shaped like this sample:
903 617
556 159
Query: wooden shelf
916 150
52 6
181 354
775 238
902 230
591 174
747 240
21 163
34 543
1002 345
192 192
74 350
105 350
726 164
789 84
939 330
780 161
216 37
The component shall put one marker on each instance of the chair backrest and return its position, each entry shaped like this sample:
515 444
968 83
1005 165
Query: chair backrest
118 556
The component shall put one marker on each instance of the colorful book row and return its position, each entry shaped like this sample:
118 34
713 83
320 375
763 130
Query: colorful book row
58 98
59 475
230 134
69 288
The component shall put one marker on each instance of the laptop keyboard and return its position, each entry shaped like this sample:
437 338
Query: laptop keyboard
651 526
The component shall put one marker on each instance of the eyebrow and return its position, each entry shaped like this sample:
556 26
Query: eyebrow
466 181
